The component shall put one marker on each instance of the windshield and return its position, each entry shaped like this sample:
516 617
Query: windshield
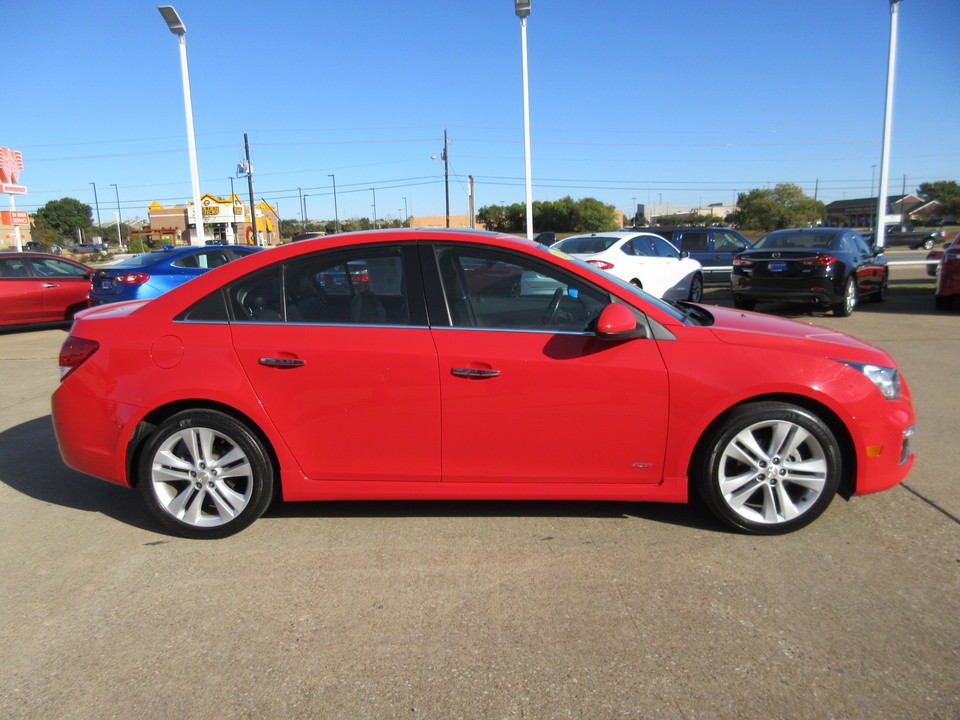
586 245
796 241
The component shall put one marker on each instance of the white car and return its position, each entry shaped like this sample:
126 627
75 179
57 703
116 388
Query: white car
643 259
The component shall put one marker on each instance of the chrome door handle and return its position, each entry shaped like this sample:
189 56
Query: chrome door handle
281 362
474 373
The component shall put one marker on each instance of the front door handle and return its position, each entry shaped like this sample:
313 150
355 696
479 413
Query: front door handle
281 363
474 374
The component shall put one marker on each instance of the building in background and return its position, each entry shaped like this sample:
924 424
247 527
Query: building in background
225 220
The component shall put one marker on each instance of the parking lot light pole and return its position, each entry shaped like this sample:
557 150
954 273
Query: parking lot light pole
522 8
336 214
180 30
881 228
119 217
97 203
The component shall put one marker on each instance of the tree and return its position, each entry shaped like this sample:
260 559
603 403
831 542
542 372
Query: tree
784 206
63 217
942 190
565 215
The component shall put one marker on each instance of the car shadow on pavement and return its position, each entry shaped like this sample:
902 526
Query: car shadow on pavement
31 465
690 515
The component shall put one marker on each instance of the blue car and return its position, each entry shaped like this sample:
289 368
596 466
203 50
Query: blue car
153 273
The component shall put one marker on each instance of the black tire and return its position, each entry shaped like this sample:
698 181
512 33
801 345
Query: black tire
741 303
848 301
927 244
769 468
943 302
696 288
204 475
881 295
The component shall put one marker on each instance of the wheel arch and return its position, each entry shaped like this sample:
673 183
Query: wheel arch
158 415
829 417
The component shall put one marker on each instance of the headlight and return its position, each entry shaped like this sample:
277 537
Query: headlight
886 379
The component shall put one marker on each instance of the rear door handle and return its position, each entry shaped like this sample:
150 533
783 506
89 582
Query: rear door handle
281 363
474 373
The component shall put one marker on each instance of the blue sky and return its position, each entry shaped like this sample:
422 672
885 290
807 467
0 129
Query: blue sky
686 102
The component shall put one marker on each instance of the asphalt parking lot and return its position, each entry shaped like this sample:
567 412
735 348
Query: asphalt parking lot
448 610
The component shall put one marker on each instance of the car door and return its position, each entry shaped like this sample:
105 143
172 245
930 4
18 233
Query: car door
21 294
336 347
63 286
674 273
868 268
697 244
726 246
528 393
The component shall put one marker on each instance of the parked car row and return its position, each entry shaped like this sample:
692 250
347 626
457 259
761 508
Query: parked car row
44 288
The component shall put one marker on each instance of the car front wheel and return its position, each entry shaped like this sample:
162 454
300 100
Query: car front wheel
769 468
696 288
204 475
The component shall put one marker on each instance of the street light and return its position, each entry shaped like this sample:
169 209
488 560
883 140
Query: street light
336 216
180 30
881 228
119 218
522 8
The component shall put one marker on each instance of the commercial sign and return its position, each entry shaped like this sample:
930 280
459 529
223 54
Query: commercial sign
11 165
14 217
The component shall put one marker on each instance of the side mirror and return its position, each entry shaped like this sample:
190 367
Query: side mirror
617 322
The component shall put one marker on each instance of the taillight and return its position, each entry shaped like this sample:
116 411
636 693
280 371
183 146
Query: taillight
132 278
743 262
602 264
74 352
822 261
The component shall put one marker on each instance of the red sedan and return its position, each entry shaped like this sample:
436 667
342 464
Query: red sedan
41 288
261 378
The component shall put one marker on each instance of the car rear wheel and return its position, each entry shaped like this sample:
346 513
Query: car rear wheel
848 301
943 302
696 288
769 468
881 294
204 475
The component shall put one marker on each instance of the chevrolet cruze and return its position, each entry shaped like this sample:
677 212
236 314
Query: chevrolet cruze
413 364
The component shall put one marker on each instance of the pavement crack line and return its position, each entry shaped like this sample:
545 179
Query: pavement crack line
931 503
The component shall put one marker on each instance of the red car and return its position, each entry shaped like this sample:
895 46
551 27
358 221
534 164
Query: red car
254 381
948 276
41 288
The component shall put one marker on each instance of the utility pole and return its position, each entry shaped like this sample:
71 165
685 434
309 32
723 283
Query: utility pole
446 174
248 170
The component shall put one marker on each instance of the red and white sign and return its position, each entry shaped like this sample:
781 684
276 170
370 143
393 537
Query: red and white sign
14 217
11 165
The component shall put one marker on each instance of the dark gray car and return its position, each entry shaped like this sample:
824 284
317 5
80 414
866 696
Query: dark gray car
713 247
